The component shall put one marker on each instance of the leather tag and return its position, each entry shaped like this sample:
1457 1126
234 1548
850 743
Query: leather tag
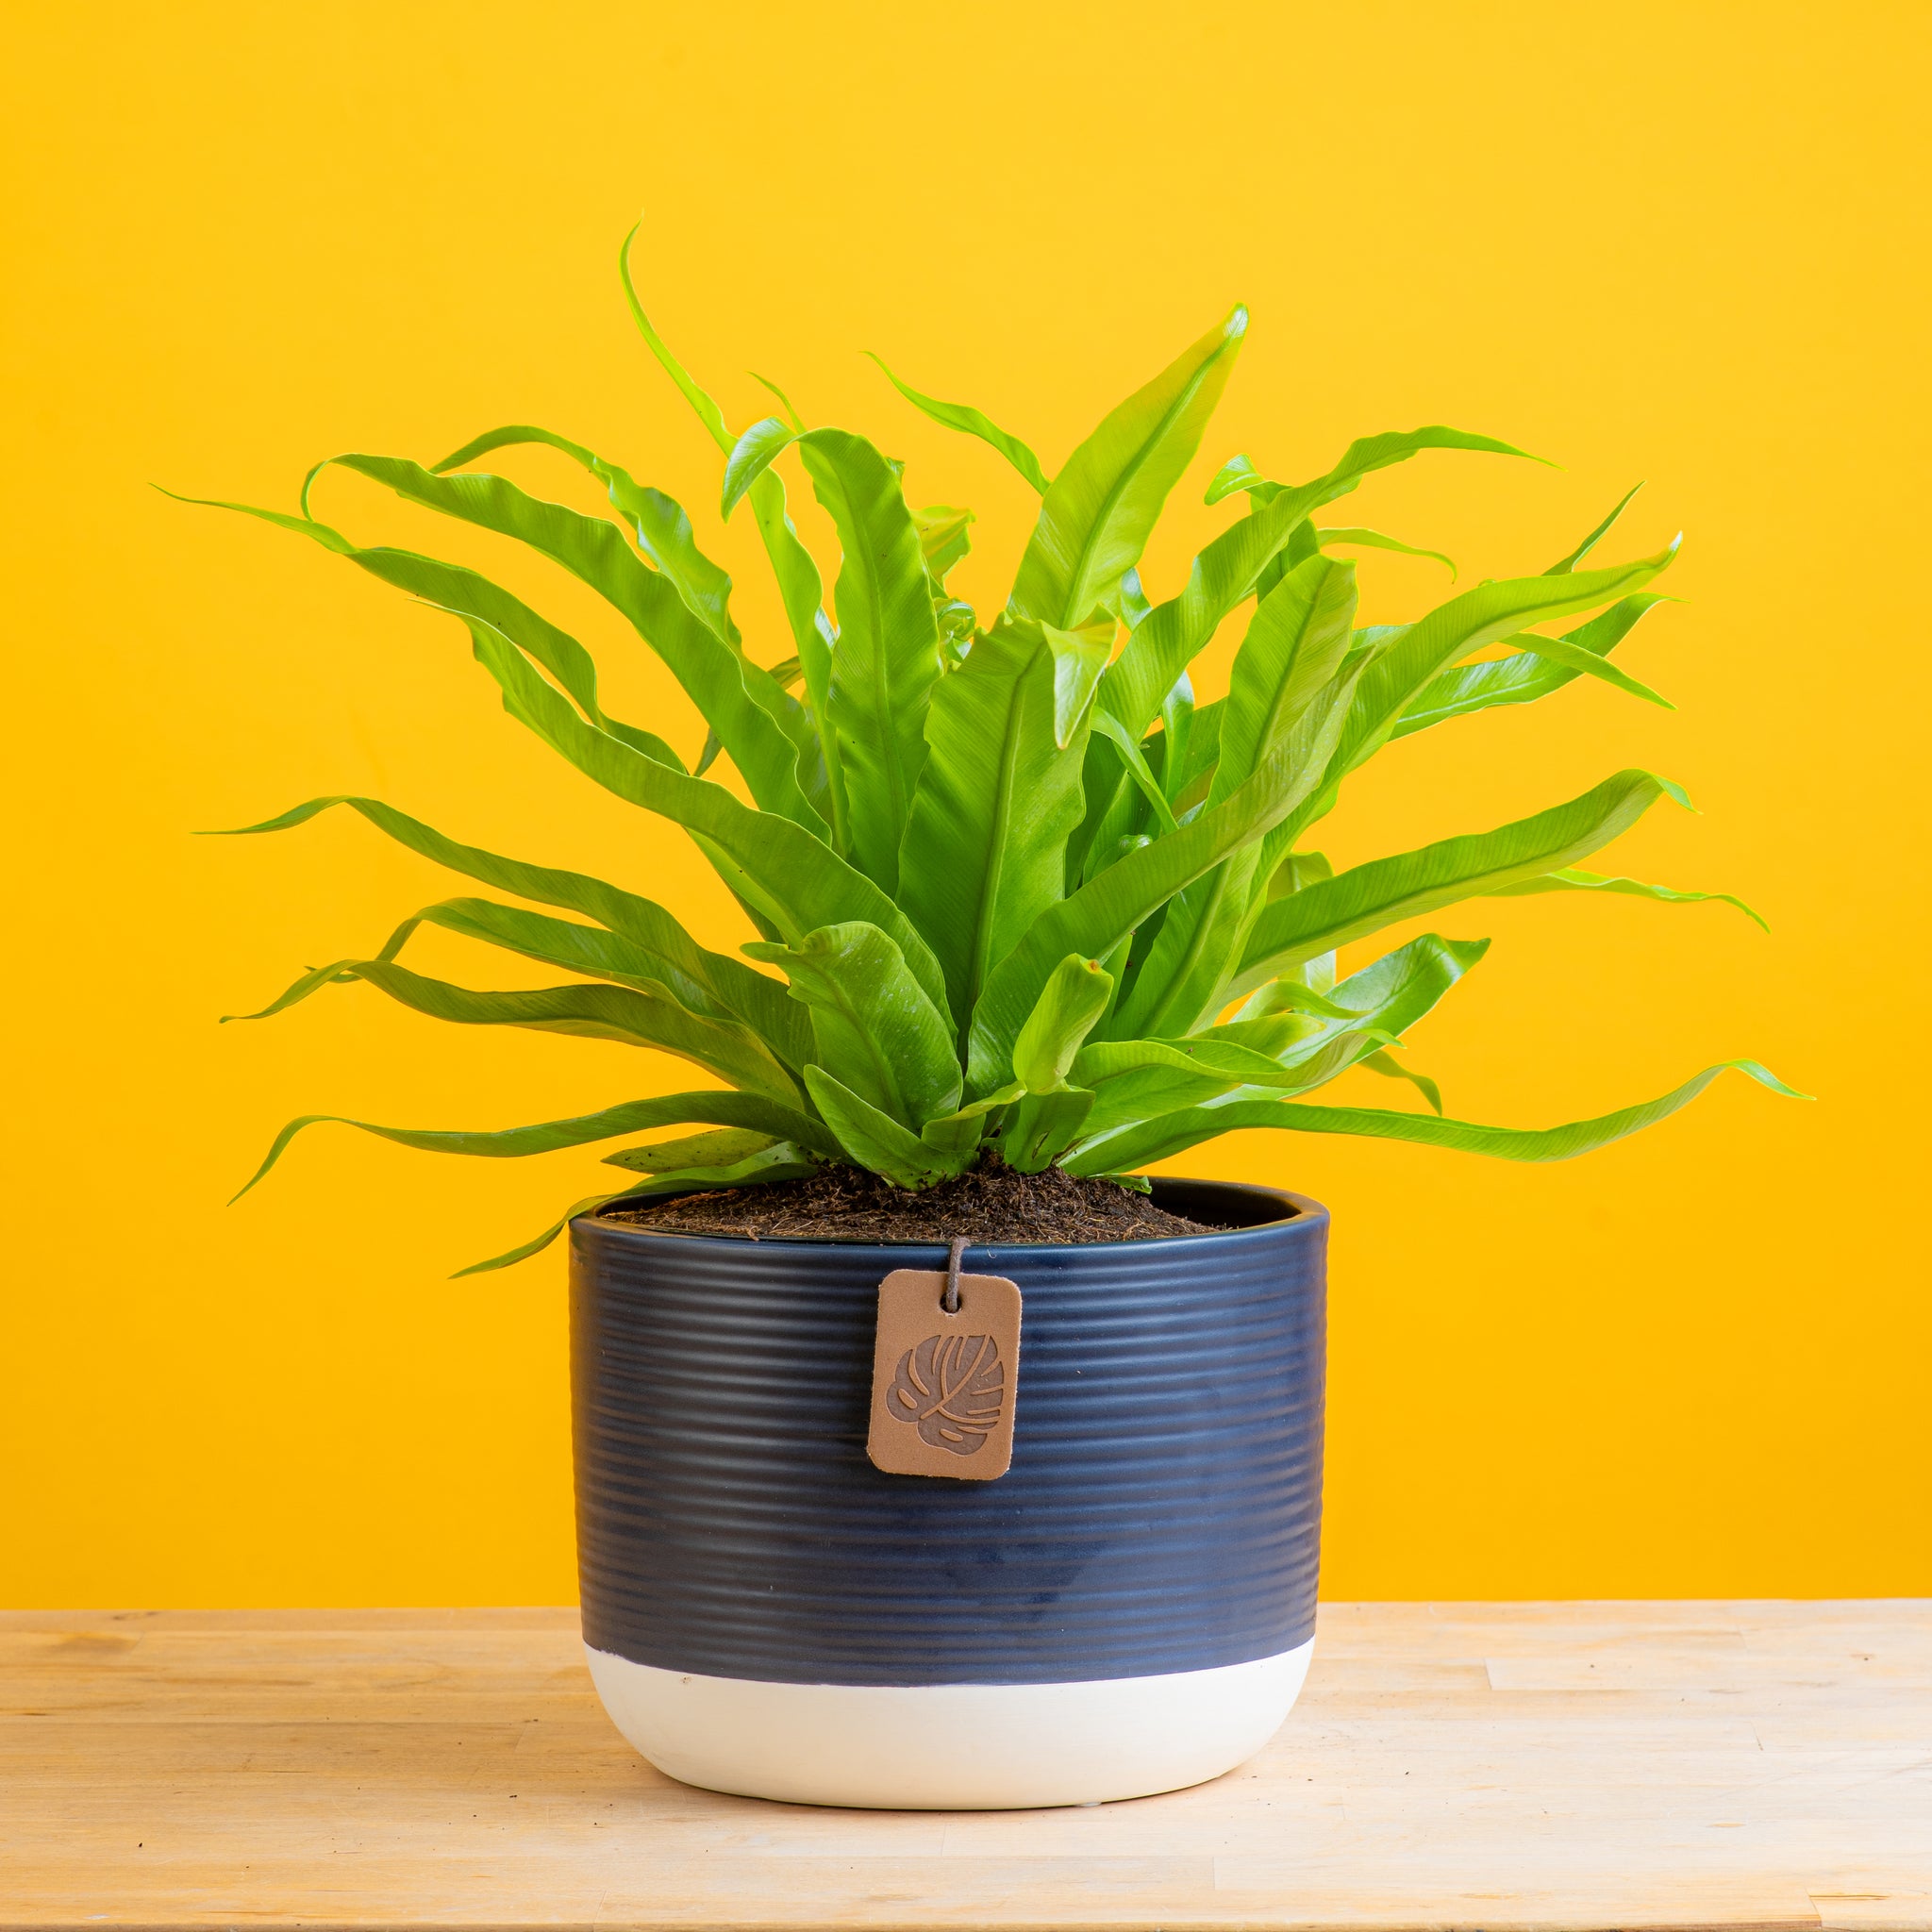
943 1386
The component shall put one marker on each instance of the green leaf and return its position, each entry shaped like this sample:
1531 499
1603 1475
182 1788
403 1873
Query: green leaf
775 864
1368 454
1190 782
751 456
1168 639
1227 1062
662 530
1391 1068
758 724
1570 879
1565 564
722 1048
1134 1081
874 1139
303 526
733 985
955 1137
1369 898
1109 906
887 659
1375 540
1176 1132
1096 516
958 624
1282 996
1291 995
801 590
783 1161
1485 615
1135 759
873 1024
970 422
1518 680
1294 645
1177 732
1079 658
1396 990
724 1106
1076 996
792 563
985 847
1285 696
1578 658
1236 473
1382 1002
1297 871
1139 1079
537 1242
1178 983
709 983
777 1166
1228 570
1042 1127
464 595
708 411
462 592
719 1148
790 407
1108 844
942 537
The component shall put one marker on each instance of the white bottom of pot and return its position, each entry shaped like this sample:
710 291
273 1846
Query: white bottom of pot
950 1747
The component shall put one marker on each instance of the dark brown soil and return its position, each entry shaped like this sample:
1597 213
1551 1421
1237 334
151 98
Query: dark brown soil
993 1204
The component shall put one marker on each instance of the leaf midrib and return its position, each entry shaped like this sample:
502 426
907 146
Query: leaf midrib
1070 615
882 690
1191 957
1270 716
891 760
881 1060
1468 885
978 964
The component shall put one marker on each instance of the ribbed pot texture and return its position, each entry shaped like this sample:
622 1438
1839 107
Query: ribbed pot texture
1162 1512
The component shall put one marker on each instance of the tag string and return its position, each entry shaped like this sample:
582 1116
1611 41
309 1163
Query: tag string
949 1300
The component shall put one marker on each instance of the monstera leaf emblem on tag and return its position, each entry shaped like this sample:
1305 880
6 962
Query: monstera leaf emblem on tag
952 1388
945 1374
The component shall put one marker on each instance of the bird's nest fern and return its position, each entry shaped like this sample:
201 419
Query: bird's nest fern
1012 886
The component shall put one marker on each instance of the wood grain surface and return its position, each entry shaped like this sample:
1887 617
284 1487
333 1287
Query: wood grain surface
1573 1765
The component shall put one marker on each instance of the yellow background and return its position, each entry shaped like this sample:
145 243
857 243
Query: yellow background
1669 242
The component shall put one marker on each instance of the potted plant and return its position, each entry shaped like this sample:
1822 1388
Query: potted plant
1026 918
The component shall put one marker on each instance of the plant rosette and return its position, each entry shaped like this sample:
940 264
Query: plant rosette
1022 907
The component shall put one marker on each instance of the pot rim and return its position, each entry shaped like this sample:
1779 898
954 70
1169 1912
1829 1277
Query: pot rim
1302 1211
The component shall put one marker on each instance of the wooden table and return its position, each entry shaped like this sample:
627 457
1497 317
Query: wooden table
1582 1765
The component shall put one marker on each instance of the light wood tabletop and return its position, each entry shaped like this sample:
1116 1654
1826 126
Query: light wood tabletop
1588 1765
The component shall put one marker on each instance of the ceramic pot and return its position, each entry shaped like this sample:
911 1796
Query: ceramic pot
1129 1609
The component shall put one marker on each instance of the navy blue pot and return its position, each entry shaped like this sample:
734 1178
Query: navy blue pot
1148 1562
